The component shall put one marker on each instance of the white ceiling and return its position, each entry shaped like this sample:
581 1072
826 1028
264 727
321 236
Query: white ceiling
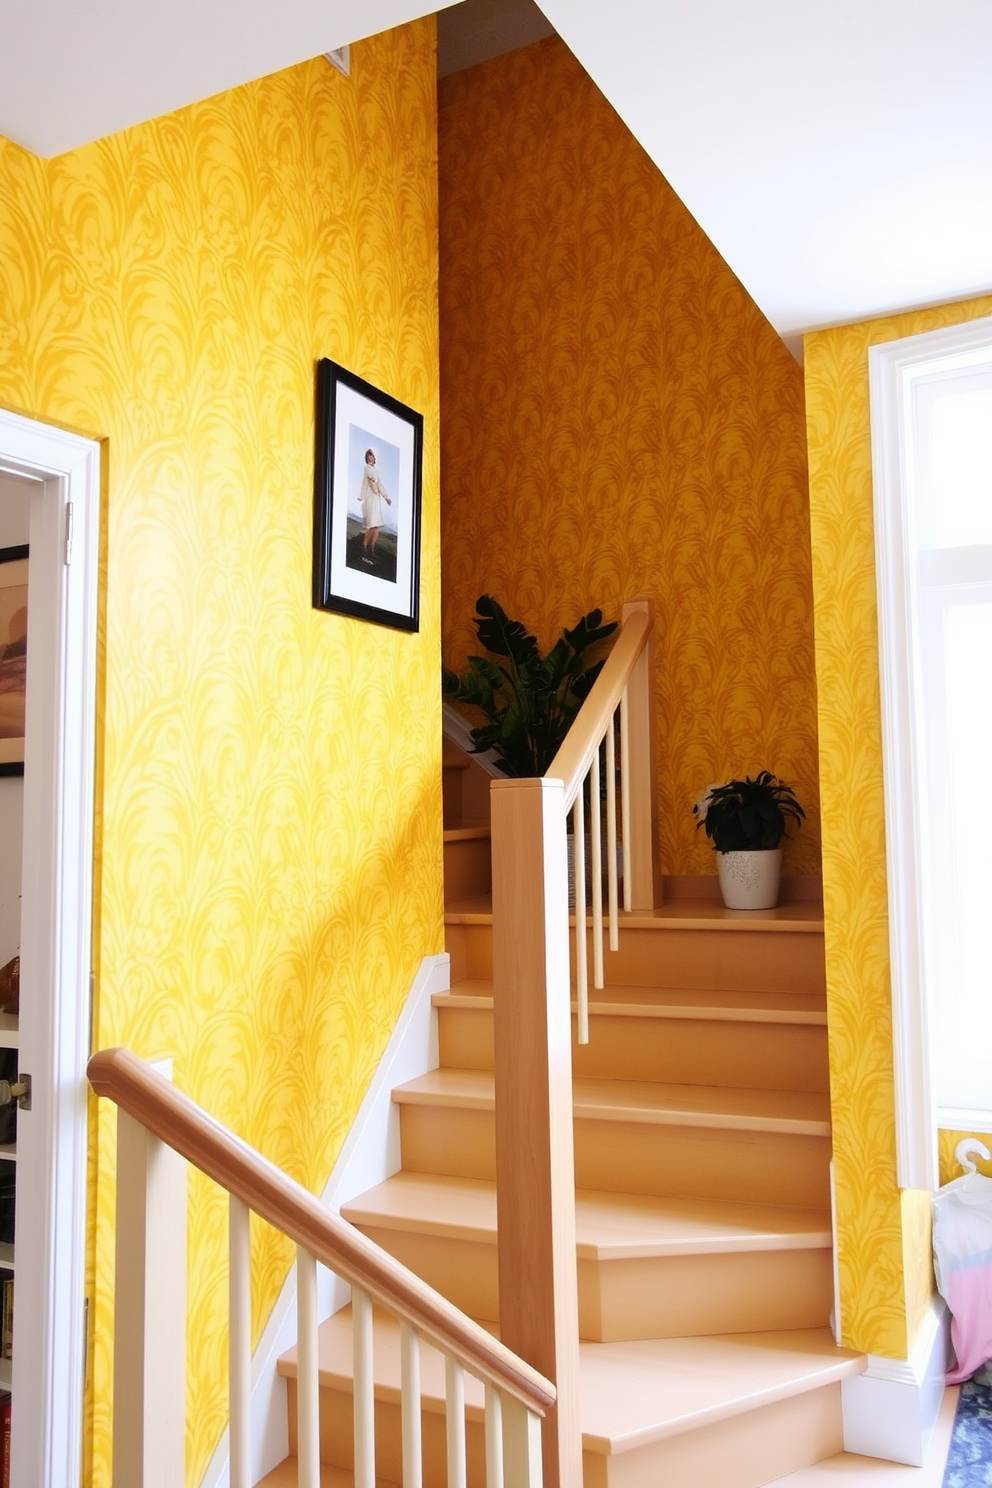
839 155
72 71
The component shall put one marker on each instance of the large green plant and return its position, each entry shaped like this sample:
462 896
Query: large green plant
748 815
529 700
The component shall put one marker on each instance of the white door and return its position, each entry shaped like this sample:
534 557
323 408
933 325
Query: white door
62 471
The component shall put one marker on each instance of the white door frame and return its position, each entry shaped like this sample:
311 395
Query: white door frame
56 945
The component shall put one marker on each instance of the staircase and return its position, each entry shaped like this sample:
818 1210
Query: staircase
702 1144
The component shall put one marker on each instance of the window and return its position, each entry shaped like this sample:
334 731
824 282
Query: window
932 458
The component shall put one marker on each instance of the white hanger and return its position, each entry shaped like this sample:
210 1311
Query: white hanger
963 1154
973 1187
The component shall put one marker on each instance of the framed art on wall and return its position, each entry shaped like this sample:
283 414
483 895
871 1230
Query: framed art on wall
367 491
13 657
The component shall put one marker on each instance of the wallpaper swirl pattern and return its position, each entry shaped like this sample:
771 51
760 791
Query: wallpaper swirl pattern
619 419
883 1235
270 871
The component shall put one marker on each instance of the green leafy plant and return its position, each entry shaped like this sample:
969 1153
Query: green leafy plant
529 700
748 815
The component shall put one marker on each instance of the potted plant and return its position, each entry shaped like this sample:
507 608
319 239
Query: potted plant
529 701
746 821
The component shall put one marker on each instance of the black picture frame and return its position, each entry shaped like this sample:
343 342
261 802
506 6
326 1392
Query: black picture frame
13 657
368 470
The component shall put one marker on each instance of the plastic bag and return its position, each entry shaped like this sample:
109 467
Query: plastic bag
962 1259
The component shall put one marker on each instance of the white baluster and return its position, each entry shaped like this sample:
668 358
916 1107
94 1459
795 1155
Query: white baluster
454 1407
150 1310
581 959
596 828
521 1445
410 1406
611 834
239 1365
361 1324
628 881
307 1388
494 1438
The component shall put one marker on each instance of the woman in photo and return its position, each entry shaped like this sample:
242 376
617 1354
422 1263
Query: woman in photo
371 496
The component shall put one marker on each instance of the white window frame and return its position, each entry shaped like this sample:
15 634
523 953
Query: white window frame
892 367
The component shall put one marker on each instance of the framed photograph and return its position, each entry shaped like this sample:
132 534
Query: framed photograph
13 657
366 530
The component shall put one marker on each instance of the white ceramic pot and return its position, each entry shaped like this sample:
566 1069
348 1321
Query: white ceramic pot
749 880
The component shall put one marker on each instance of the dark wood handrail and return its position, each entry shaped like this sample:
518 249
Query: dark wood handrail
571 763
178 1121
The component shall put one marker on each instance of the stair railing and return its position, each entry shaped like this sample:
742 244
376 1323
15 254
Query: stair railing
160 1131
535 1167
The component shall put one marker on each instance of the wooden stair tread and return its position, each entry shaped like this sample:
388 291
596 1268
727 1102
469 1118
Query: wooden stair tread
609 1226
731 1107
640 1392
466 834
671 1002
631 1393
286 1475
805 917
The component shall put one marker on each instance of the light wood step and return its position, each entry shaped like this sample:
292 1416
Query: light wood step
689 1412
761 1146
648 1267
467 861
765 1040
286 1475
679 945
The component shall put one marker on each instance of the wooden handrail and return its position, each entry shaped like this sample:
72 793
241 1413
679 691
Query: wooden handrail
180 1123
571 763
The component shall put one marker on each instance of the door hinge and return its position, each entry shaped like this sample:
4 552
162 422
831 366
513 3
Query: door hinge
68 533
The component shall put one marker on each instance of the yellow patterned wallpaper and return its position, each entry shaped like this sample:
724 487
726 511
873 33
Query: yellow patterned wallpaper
883 1249
619 419
271 800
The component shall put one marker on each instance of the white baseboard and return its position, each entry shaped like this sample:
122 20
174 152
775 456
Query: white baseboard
371 1153
890 1410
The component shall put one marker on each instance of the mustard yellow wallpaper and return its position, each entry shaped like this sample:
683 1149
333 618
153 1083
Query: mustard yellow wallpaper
619 419
270 875
884 1244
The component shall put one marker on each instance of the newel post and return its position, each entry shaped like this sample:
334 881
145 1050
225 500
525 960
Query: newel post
149 1311
644 865
535 1167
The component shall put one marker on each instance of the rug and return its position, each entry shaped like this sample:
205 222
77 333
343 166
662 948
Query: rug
969 1462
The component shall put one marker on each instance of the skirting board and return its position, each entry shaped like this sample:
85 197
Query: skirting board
370 1155
890 1410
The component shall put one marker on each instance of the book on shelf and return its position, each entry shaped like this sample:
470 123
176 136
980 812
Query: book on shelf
5 1440
7 1316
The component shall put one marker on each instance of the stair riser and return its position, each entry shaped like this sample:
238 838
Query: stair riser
467 869
743 1451
337 1438
631 1157
760 1056
661 957
647 1297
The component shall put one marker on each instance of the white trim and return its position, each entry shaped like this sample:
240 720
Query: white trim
457 729
888 365
962 1119
890 1411
370 1155
57 886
